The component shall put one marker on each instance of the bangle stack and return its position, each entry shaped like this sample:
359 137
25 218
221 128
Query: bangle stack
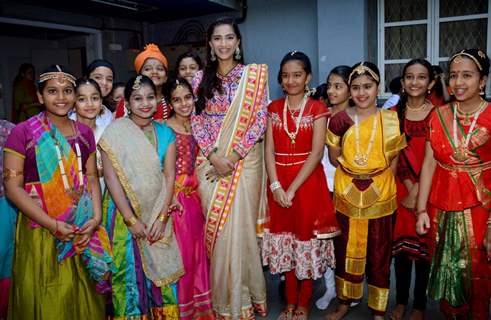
275 185
131 221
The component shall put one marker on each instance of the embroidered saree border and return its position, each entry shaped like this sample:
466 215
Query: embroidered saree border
223 195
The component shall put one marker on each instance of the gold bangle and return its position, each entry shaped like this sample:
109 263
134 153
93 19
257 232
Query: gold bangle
131 221
11 173
161 217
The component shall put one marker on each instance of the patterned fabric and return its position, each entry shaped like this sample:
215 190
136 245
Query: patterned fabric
235 204
142 284
187 151
206 125
66 207
308 258
194 288
460 274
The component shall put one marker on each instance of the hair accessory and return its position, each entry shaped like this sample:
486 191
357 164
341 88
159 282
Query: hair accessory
361 69
293 52
481 54
59 76
457 58
137 84
178 84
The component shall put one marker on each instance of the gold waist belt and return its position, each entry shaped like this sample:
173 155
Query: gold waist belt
473 168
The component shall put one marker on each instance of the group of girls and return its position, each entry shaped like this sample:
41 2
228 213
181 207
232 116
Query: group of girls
133 251
194 168
410 183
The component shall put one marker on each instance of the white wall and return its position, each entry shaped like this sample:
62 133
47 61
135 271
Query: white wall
342 34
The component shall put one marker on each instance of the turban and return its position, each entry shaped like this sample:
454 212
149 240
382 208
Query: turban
151 51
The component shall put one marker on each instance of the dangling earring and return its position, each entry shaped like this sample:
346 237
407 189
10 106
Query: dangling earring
402 90
237 54
482 91
429 91
307 89
212 55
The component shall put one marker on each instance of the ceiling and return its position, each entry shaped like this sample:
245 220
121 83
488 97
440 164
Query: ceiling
152 11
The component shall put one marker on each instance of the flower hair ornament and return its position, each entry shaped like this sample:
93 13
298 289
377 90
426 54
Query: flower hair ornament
458 58
361 69
178 84
59 76
137 83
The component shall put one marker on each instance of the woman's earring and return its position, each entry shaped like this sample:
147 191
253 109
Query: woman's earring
429 91
212 55
482 91
237 54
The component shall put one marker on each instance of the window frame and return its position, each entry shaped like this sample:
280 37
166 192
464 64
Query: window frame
432 23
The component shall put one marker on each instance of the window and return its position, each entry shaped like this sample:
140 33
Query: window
434 29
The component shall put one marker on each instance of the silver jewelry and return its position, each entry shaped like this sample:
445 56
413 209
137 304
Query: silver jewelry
275 185
212 55
237 54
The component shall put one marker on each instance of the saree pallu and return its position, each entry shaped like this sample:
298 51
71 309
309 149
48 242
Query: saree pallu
232 205
142 285
460 275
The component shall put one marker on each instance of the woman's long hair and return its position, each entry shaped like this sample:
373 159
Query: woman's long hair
211 82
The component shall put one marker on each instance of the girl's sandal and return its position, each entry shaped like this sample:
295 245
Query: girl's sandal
301 315
287 314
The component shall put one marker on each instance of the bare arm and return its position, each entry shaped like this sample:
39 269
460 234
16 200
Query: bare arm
313 159
426 177
279 194
334 153
14 190
95 189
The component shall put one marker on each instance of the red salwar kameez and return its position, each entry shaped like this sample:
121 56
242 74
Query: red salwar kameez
298 240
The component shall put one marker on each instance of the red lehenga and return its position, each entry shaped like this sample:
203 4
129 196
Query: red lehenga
294 239
460 273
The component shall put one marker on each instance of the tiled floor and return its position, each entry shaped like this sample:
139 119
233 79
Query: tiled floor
275 305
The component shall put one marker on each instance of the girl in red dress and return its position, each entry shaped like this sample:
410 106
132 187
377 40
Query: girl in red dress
302 219
413 111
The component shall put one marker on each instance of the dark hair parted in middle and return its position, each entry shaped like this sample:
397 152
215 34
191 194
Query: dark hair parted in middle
296 56
96 64
190 54
401 106
139 80
211 82
172 84
87 81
